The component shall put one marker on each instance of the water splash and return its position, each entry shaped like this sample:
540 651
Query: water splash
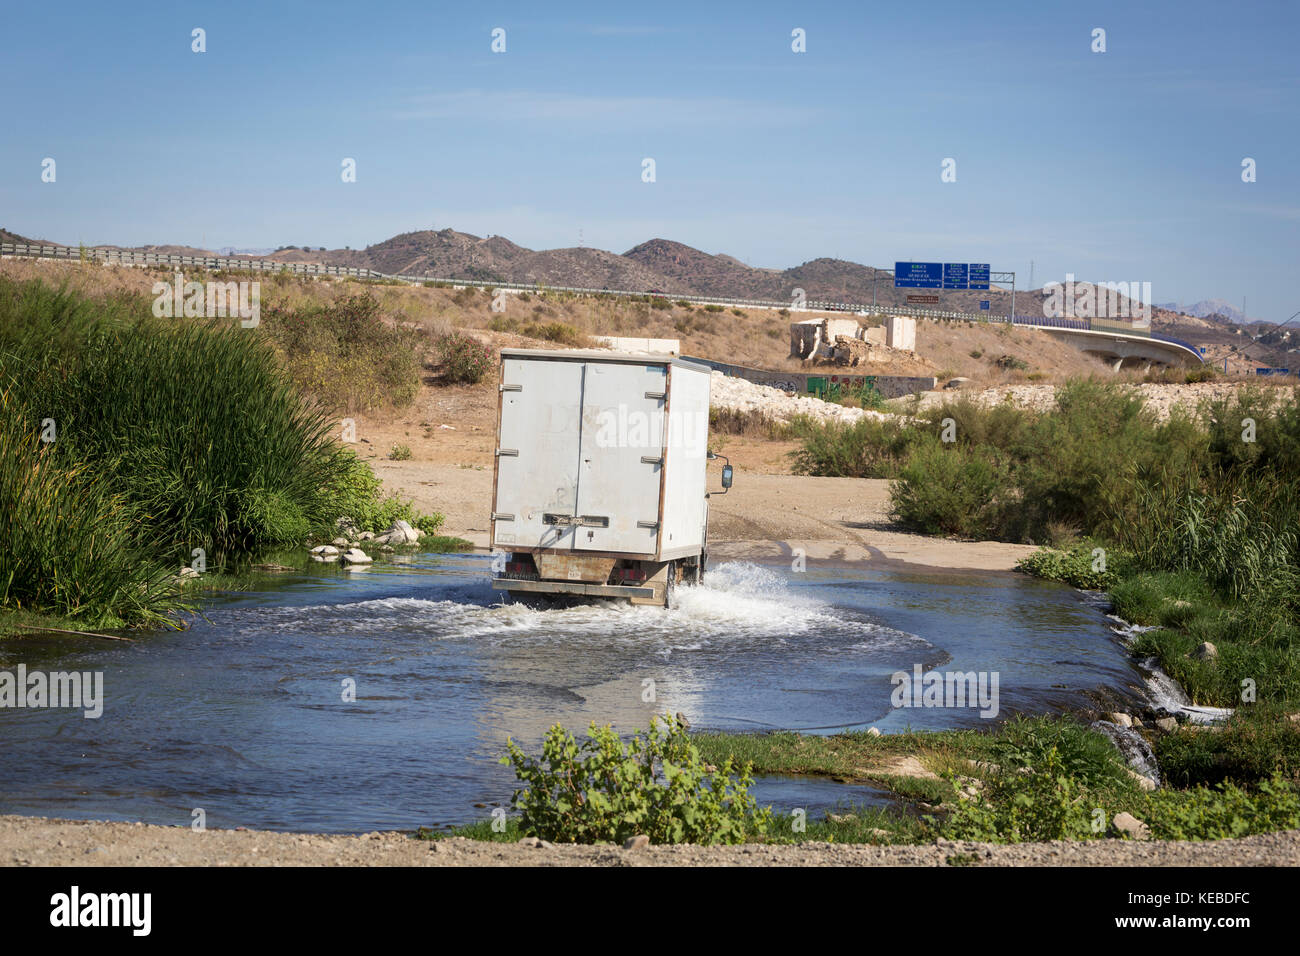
1133 746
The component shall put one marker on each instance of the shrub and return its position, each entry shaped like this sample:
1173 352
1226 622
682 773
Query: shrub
1224 812
357 492
1011 363
867 448
953 490
1078 567
464 360
604 790
400 453
1045 804
344 355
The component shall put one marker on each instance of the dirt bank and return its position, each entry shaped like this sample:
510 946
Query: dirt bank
763 517
37 841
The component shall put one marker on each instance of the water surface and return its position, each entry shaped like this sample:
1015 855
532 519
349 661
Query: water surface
243 714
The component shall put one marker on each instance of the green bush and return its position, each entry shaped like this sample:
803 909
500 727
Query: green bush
1045 804
867 448
465 361
1222 813
358 493
953 490
1078 567
400 453
603 790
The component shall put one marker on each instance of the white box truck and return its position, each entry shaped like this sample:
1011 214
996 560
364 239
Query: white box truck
600 487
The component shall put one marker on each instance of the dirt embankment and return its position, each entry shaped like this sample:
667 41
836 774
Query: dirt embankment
36 841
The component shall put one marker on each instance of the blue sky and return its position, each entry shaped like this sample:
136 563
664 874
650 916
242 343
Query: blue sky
1115 166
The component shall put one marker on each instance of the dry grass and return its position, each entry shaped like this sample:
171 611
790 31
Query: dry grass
756 337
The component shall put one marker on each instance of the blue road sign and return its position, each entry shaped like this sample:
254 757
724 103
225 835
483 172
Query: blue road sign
979 275
1272 371
918 275
984 304
955 275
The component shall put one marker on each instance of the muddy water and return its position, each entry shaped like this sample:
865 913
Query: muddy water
243 714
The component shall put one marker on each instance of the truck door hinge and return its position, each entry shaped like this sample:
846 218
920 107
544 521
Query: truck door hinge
507 452
511 388
652 460
498 516
651 525
656 394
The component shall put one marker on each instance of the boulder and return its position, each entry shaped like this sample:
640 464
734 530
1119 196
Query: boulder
1127 825
188 572
636 842
355 556
873 732
1167 724
1205 651
324 550
1120 720
340 542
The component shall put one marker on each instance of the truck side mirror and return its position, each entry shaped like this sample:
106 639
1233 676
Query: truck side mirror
726 476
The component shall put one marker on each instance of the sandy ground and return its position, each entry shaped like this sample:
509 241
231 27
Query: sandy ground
36 841
762 517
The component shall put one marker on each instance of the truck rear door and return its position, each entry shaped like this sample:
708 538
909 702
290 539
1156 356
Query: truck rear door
621 451
537 453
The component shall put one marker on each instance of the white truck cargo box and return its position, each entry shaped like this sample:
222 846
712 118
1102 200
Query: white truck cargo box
600 481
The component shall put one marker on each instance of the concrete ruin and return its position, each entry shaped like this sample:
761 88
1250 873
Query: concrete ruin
845 342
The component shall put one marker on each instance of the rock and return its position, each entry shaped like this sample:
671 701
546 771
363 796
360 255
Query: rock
355 556
1143 782
340 542
365 536
636 842
957 382
1120 720
1205 651
188 572
1167 724
532 842
681 719
325 550
1125 824
873 732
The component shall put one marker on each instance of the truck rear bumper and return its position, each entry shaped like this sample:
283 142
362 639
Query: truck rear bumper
573 587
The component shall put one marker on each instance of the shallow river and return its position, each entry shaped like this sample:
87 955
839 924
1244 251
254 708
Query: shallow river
243 714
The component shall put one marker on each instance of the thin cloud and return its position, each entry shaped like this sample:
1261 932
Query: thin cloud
522 106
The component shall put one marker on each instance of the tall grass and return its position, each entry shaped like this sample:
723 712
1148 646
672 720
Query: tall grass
192 424
66 541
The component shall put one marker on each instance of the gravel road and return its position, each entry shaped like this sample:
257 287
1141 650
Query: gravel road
37 841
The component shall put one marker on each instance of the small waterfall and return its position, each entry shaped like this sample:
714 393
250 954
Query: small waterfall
1133 746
